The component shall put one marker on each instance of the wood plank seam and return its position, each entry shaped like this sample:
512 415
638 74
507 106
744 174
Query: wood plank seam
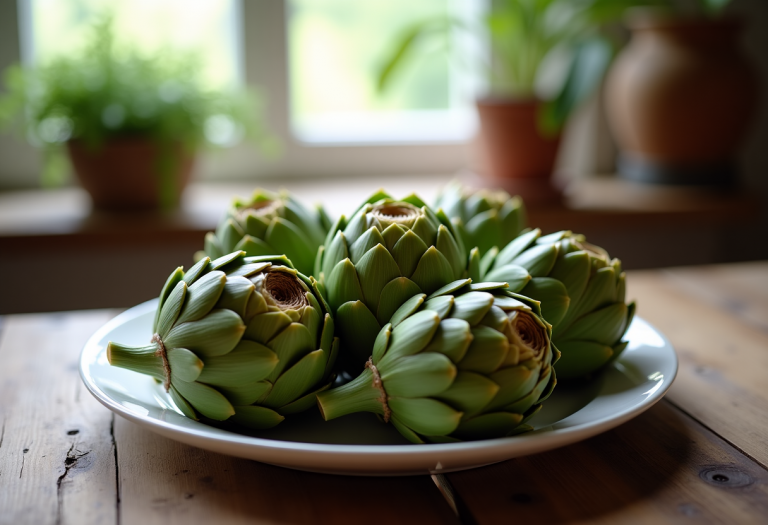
454 500
731 443
117 469
70 462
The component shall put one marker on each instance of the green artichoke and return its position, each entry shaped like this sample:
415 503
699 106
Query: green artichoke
371 264
269 224
245 339
581 289
483 218
470 361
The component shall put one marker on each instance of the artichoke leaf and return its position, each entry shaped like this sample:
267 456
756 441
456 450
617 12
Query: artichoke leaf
446 244
245 393
407 252
420 375
291 345
470 392
538 260
393 296
237 291
452 338
516 276
472 306
516 247
256 417
206 400
580 358
604 326
248 362
297 380
202 296
357 328
433 271
381 343
184 364
343 285
170 310
449 288
411 336
485 426
375 270
197 270
424 415
305 402
487 351
170 284
406 309
215 334
265 326
553 297
364 243
441 305
286 237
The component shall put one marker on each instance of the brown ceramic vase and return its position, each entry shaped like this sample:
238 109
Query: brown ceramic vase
132 173
679 100
518 157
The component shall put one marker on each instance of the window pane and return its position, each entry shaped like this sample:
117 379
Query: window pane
335 47
208 28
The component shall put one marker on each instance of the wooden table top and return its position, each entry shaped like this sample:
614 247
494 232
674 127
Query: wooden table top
700 455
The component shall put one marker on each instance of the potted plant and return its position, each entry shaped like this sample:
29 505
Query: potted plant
130 123
521 127
681 95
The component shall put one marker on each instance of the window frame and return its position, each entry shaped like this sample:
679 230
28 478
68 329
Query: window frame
263 33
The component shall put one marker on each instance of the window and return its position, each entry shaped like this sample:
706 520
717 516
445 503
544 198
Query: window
335 50
421 126
207 28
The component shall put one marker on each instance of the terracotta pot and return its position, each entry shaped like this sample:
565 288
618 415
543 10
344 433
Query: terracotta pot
127 173
679 99
519 158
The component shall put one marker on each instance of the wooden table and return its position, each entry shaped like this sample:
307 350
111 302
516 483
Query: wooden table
700 455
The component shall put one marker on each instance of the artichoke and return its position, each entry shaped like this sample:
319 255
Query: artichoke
245 339
581 289
470 361
269 224
371 264
483 218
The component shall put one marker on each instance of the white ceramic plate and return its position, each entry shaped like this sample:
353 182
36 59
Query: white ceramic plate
360 444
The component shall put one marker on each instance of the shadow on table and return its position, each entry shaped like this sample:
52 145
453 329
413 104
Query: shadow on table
583 481
165 481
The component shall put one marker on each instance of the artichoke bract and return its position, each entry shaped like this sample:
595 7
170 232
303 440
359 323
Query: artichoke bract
244 339
470 361
269 224
385 254
483 218
581 289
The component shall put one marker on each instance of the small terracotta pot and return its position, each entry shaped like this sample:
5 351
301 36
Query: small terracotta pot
127 173
519 158
679 99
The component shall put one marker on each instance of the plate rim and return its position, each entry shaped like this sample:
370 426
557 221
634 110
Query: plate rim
542 440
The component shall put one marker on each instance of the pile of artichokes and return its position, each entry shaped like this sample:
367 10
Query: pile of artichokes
451 323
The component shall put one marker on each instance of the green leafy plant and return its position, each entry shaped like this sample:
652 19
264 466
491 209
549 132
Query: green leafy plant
523 35
109 90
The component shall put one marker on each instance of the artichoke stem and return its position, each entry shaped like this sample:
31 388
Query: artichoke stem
141 359
358 395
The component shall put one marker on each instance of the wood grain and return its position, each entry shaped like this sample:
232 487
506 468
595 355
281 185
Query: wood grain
165 483
56 453
662 467
741 289
723 359
700 456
